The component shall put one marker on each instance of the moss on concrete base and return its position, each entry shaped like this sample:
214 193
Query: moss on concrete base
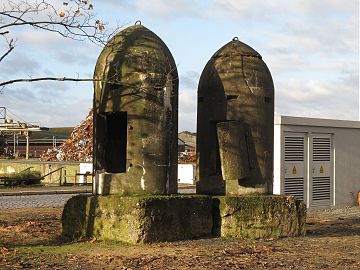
141 219
259 216
145 219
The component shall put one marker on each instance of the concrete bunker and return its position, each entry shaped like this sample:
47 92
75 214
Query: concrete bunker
235 118
135 115
135 149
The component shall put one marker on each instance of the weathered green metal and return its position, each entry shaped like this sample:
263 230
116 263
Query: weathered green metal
235 85
135 115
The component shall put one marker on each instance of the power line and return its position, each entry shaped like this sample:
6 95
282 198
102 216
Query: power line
16 117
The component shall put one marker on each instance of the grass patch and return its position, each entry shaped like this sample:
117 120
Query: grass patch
21 178
25 175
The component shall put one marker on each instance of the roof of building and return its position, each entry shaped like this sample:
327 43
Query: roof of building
58 133
315 122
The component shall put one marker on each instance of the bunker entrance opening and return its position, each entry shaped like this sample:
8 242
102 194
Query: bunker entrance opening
115 141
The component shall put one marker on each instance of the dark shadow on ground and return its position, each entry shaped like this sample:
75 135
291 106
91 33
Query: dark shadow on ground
333 228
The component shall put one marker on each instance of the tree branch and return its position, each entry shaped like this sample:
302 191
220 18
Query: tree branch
8 51
62 79
137 90
97 37
11 47
75 19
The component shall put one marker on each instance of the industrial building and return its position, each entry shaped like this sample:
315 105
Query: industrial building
39 142
317 160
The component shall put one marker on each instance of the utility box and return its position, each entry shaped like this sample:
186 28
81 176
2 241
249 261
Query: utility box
85 169
317 160
186 174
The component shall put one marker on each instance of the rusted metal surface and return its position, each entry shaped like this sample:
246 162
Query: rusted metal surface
235 85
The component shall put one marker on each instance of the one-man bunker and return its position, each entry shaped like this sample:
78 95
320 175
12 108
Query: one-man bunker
135 115
135 149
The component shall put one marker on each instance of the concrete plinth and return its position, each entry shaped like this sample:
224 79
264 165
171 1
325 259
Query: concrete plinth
254 217
145 219
141 219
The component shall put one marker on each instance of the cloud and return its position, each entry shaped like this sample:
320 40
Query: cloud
313 51
189 80
304 91
48 72
38 38
188 100
244 10
48 41
336 99
174 9
42 53
311 48
322 6
77 57
21 94
298 28
187 122
50 103
18 63
238 9
187 110
166 8
283 62
327 37
233 10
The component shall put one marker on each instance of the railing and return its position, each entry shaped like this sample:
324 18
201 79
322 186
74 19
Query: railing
58 169
27 169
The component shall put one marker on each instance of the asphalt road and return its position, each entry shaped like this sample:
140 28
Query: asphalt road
45 200
33 201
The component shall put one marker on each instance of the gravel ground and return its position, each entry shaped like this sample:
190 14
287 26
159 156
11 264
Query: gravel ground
346 212
30 239
58 200
33 201
45 200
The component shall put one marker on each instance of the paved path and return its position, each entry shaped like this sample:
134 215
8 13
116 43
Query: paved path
33 201
14 191
13 198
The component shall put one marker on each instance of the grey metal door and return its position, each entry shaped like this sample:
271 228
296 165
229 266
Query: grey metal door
321 170
294 165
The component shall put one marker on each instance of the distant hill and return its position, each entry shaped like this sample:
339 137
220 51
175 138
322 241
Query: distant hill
188 137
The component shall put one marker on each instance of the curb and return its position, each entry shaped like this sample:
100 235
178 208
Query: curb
186 186
23 193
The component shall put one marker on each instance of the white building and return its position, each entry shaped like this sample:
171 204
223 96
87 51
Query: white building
317 160
186 173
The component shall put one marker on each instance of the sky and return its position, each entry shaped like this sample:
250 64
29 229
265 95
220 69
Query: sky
311 48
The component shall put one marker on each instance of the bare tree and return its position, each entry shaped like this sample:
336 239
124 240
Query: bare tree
74 19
